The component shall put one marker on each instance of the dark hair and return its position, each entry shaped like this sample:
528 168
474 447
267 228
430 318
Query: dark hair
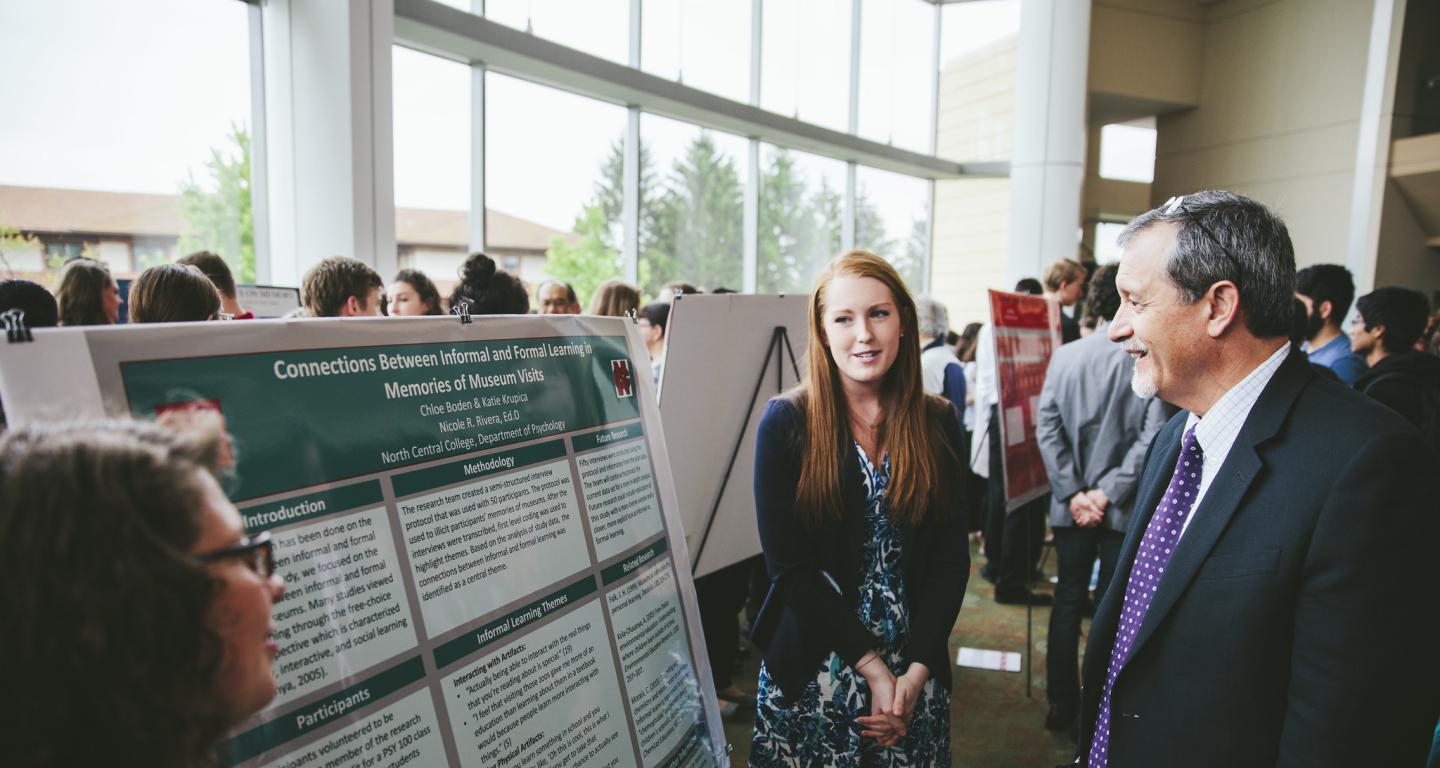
327 286
668 290
965 347
214 268
1225 236
424 287
39 306
1103 300
615 298
1029 285
82 291
1327 282
657 314
1300 326
1403 311
489 291
173 293
569 290
108 646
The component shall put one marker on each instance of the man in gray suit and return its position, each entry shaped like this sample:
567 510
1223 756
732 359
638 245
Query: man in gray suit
1093 433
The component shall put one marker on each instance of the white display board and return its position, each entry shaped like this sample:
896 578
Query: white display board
267 300
717 349
475 522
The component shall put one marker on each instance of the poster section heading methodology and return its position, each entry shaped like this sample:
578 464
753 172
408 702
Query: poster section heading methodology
1026 331
476 526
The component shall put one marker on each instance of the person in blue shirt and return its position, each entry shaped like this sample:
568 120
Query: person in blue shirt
1327 290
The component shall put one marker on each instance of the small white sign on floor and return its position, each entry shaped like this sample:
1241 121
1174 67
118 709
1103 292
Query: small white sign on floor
980 658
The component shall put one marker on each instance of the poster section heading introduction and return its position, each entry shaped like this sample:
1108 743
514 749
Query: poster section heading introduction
1026 332
478 574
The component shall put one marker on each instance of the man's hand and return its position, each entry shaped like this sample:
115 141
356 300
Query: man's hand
1098 497
1083 510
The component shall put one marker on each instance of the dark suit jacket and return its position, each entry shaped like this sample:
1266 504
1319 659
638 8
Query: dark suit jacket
815 618
1295 624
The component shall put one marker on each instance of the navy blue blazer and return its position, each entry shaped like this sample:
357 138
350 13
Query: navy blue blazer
1295 625
815 618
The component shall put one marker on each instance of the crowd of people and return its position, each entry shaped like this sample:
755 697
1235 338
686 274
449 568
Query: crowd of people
1241 496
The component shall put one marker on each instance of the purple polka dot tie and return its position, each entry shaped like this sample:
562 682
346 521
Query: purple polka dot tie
1161 536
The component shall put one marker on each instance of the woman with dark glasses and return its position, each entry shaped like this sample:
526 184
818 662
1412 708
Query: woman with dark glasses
136 618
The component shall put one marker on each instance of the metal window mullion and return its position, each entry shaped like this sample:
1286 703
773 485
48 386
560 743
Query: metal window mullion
630 208
259 176
925 268
477 145
935 86
750 269
847 227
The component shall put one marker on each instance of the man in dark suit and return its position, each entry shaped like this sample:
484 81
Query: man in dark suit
1272 604
1093 434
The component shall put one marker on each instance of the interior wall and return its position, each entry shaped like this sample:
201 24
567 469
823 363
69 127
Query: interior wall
972 216
1280 97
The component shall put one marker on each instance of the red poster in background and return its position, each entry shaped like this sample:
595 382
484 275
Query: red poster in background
1027 330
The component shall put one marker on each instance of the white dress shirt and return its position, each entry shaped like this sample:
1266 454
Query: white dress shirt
1217 431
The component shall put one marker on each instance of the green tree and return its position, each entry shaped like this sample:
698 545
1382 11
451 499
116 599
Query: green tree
697 223
591 260
788 231
217 215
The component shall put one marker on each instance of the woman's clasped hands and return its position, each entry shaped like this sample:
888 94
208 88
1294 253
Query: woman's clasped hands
892 699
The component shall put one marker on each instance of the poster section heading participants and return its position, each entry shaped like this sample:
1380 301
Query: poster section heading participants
509 527
377 733
435 400
344 606
619 488
557 680
663 692
1027 330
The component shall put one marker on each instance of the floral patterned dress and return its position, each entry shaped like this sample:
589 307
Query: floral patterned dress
818 727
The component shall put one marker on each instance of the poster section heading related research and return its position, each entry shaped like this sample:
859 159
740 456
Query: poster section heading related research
479 567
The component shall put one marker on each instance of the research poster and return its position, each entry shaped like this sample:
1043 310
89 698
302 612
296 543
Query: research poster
475 522
1027 331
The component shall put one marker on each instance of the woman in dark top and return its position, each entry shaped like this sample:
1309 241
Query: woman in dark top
858 509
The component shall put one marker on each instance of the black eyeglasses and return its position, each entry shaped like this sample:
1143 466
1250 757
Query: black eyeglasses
257 552
1178 204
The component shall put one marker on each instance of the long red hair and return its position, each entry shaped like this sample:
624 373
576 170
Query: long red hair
907 430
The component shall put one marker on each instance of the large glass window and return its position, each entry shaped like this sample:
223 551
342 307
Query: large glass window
802 211
805 60
432 163
897 72
977 79
692 206
599 27
1107 245
704 44
1127 151
126 133
892 218
554 173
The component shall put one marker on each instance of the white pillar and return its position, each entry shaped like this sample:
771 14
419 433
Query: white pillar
329 134
1047 167
1372 149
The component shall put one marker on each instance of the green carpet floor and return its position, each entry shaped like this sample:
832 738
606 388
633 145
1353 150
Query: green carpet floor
993 724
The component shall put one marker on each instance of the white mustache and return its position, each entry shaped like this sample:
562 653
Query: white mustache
1132 345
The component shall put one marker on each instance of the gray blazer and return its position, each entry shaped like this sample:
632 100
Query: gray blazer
1093 430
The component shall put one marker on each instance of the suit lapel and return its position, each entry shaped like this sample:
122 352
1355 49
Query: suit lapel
1225 493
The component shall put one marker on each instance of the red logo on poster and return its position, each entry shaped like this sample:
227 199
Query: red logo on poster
620 372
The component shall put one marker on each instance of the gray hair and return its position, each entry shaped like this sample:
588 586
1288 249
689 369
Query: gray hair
1225 236
933 319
